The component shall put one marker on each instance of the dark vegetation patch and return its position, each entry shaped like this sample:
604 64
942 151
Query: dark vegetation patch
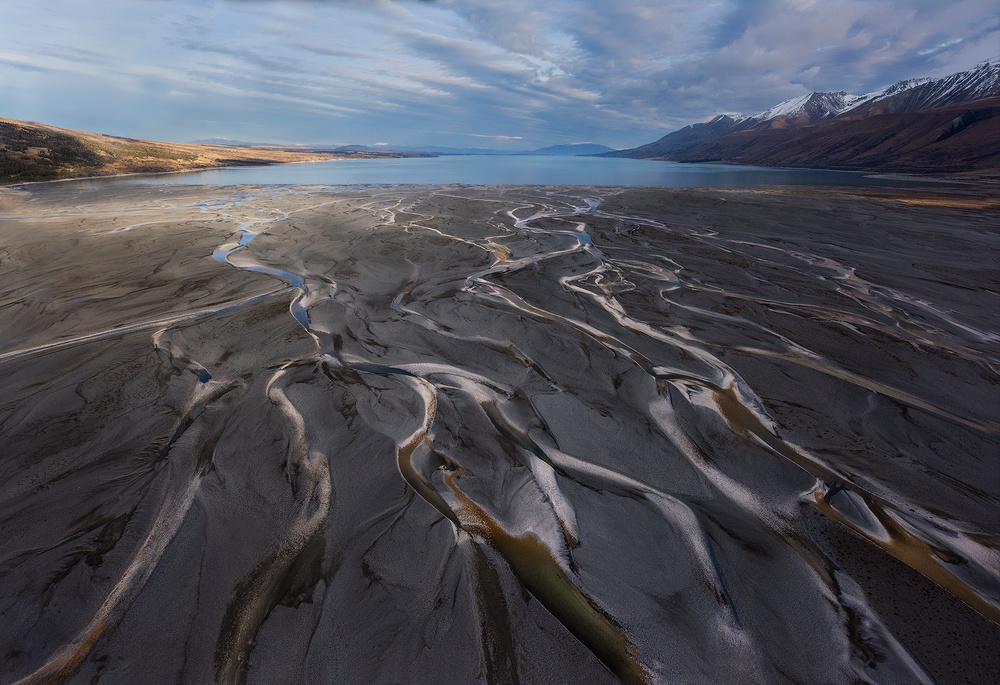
29 154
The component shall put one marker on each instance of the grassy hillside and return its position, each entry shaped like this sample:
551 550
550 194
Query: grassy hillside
30 151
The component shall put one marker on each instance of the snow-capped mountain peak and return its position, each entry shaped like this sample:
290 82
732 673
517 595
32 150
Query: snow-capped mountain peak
733 116
899 87
810 107
909 95
927 125
785 108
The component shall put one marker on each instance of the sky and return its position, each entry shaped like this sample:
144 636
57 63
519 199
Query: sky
513 74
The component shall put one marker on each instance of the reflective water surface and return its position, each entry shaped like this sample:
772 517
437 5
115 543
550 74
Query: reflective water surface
493 169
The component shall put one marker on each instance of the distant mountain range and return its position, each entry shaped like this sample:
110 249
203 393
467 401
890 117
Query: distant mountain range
227 141
575 150
950 124
571 150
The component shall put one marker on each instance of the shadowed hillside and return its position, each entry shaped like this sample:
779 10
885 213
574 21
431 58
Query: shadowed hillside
954 139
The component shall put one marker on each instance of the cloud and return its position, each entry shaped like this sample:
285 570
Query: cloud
620 72
483 135
28 63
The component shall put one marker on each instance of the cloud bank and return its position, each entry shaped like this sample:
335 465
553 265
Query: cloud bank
525 74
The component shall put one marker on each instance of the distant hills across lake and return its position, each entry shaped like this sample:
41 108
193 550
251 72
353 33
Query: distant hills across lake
570 150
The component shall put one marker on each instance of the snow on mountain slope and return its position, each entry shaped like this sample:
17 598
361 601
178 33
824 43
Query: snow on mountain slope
815 105
911 95
914 95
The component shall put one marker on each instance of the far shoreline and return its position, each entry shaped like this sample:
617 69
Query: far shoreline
97 177
967 180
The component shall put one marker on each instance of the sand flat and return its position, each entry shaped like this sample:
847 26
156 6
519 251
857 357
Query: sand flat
498 434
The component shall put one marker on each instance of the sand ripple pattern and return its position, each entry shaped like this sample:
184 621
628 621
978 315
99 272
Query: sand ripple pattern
503 435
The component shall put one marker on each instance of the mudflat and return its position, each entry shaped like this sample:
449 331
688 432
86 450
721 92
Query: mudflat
498 434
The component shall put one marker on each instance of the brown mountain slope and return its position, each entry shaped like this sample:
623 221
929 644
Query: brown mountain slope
958 138
30 151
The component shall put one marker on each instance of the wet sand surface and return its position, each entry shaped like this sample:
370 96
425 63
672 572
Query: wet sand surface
498 434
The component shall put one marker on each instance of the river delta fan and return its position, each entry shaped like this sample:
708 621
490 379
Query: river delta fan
367 342
476 434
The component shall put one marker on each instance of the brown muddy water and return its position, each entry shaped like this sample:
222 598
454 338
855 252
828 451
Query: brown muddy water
453 434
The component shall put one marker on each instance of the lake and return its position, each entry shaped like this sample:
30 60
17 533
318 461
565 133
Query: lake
523 170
